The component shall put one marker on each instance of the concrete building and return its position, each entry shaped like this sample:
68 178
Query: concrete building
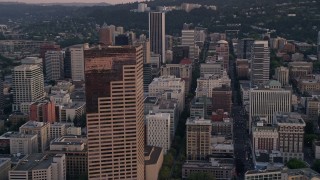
264 136
198 134
201 107
291 133
106 35
153 159
265 101
41 129
274 174
309 85
222 50
33 61
75 149
158 130
316 149
157 34
242 68
18 117
43 111
71 111
21 143
282 174
169 106
77 62
244 48
40 167
313 108
57 130
282 75
222 98
114 94
300 69
224 127
27 84
183 71
220 168
5 167
188 39
260 62
54 65
163 84
206 84
213 67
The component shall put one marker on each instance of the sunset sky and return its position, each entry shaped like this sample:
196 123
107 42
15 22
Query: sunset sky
70 1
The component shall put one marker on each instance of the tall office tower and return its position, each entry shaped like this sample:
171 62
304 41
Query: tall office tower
157 34
105 35
54 65
158 130
41 129
67 64
244 48
77 62
318 46
27 84
266 100
187 39
198 134
222 99
115 119
291 131
260 62
222 50
282 75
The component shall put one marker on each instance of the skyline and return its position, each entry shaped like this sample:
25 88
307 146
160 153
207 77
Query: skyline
72 1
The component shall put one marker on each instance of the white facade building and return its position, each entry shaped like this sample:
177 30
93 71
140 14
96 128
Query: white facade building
158 130
77 62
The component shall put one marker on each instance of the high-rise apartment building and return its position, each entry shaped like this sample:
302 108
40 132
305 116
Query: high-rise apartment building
282 75
265 101
158 130
198 133
291 133
222 50
54 65
115 120
77 62
27 84
157 34
41 129
260 62
188 39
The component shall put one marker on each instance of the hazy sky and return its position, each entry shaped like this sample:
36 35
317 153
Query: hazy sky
70 1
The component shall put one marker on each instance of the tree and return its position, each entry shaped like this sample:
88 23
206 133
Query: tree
295 163
316 165
164 173
201 176
309 138
309 129
168 159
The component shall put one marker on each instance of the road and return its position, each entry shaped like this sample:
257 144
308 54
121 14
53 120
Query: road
240 134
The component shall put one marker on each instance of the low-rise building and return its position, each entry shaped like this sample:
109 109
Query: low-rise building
57 130
40 166
153 159
220 168
75 149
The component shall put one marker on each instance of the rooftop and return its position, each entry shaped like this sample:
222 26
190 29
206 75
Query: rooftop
288 117
34 161
198 121
33 124
152 154
151 99
12 134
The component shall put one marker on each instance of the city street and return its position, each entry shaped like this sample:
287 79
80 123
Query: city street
241 138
